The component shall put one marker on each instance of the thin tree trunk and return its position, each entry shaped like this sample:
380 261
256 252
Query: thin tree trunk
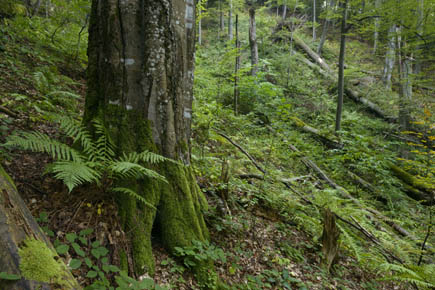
284 12
140 80
236 69
341 69
390 57
253 42
199 27
376 33
404 69
221 18
325 30
417 66
230 22
314 19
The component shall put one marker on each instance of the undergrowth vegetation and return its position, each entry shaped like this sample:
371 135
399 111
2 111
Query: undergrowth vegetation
266 225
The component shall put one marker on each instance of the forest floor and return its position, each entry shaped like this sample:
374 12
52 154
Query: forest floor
270 236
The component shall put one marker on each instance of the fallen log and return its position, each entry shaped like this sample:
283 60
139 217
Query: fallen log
365 184
328 141
411 180
346 194
26 254
300 43
350 92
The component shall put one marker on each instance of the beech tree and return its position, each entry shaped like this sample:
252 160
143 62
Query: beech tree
140 79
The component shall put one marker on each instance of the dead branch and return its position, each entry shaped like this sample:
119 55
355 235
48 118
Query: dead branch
8 112
243 151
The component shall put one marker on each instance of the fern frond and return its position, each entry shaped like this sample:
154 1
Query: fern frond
125 169
63 94
38 142
78 134
105 149
133 194
74 173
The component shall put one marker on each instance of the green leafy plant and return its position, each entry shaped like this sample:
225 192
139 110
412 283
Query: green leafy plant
200 252
94 257
89 160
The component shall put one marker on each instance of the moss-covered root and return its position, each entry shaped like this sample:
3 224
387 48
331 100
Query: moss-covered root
179 204
180 217
137 220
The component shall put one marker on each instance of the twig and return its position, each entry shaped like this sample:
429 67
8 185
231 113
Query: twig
74 216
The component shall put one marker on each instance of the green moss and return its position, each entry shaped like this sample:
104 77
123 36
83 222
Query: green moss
298 122
409 179
123 261
8 178
38 263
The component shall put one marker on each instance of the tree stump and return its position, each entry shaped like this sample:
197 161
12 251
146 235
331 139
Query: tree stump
329 239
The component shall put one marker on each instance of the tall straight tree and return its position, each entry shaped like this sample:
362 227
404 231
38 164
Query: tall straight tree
140 79
230 21
253 41
341 66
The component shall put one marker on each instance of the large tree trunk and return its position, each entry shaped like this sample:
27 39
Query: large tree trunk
17 226
253 42
140 79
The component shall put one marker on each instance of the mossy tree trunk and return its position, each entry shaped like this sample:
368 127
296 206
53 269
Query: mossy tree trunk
140 79
17 225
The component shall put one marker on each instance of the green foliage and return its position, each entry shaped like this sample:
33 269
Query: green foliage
93 161
421 276
200 252
94 258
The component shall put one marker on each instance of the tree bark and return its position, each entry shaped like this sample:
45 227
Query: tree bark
389 57
16 226
140 79
253 42
312 54
325 30
314 20
341 69
230 22
376 32
221 18
236 69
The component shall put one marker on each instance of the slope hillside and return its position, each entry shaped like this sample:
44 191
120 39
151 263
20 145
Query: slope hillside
285 193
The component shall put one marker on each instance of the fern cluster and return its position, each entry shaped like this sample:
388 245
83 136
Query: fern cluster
93 161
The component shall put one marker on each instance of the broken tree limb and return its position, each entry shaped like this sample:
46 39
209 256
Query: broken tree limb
367 185
350 92
18 227
300 43
346 194
328 141
387 254
243 151
8 112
